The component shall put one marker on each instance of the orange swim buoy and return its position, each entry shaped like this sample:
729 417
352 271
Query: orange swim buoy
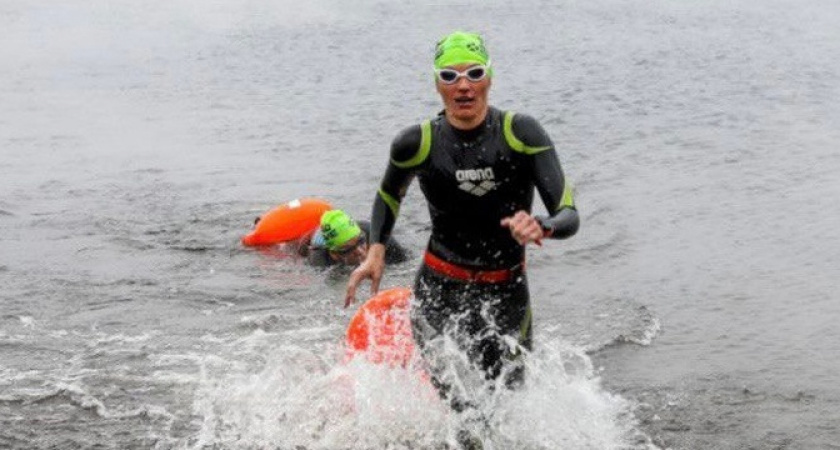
381 329
287 222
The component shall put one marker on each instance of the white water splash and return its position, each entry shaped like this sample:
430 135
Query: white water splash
303 398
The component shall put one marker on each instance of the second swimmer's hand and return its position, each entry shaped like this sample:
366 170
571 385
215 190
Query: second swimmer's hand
524 228
372 267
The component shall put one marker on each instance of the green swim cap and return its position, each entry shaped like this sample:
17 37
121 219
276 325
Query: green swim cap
461 48
338 228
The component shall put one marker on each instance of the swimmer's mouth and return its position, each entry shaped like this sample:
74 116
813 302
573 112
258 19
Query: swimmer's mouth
464 101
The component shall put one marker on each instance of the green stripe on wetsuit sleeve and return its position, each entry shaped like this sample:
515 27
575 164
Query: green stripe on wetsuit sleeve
514 142
393 203
568 199
423 151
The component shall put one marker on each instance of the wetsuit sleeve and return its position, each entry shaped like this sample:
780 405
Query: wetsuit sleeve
406 155
556 193
394 252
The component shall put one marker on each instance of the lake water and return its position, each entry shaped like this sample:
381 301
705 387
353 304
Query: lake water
695 309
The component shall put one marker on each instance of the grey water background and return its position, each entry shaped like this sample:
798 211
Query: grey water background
696 308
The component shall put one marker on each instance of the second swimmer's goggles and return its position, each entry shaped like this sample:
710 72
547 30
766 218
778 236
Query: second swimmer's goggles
450 76
349 248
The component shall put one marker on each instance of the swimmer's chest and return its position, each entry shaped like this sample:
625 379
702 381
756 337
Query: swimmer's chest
473 172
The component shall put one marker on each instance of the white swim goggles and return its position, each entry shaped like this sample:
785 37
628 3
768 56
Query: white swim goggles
473 74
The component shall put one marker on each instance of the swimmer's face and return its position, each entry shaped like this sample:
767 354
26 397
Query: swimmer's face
351 254
465 101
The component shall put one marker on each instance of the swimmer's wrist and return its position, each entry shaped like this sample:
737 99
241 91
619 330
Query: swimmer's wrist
377 250
546 227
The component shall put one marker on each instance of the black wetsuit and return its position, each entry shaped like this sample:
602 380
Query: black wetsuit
471 180
319 256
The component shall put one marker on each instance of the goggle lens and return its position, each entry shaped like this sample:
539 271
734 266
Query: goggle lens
476 73
447 76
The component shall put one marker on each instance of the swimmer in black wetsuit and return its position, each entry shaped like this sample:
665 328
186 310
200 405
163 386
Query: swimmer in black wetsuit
340 240
477 167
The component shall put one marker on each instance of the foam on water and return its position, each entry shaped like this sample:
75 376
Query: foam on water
304 397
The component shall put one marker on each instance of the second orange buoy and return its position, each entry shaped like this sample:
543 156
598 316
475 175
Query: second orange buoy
287 222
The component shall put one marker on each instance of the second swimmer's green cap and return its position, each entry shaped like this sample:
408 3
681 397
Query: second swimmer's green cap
460 48
338 228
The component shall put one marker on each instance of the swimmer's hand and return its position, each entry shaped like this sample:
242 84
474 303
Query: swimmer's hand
372 267
524 228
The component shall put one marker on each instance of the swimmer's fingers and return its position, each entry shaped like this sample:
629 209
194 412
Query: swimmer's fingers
374 266
377 269
374 283
352 284
524 228
531 231
515 220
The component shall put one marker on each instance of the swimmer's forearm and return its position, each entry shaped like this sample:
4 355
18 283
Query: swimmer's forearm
563 224
382 221
386 205
557 195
